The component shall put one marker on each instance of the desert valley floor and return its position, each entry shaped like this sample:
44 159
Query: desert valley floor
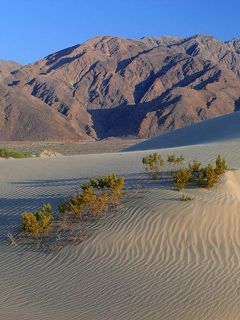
156 258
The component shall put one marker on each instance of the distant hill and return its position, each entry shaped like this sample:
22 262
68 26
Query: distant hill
114 87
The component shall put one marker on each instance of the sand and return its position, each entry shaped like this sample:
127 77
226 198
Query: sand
156 258
222 128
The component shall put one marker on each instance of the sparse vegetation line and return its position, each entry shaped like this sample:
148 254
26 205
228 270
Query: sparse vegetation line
96 197
206 176
7 153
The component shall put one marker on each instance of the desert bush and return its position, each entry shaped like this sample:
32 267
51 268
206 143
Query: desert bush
153 164
179 160
175 161
112 184
101 203
208 176
96 196
171 158
38 222
221 165
181 178
185 197
194 167
73 205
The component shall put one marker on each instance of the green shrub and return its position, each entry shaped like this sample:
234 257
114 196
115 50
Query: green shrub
111 183
194 167
96 197
38 222
171 158
6 153
181 178
175 161
179 160
208 176
221 165
153 164
73 205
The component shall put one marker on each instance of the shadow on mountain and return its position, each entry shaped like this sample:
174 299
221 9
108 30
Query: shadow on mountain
125 120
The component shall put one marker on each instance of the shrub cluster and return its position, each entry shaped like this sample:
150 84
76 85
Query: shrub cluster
153 164
38 222
181 178
221 165
172 159
95 197
195 166
205 176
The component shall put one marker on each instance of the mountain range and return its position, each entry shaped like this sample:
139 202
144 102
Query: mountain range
115 87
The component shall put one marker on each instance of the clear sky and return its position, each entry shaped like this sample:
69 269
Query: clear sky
32 29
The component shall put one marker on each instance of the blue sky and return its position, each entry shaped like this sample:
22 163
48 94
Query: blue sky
32 29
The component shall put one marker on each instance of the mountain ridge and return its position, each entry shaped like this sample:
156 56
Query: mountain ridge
115 87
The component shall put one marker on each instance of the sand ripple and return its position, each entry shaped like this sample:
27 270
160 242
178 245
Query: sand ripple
157 258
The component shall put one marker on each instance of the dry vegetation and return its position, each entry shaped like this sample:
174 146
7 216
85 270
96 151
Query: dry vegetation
153 164
194 174
38 222
98 196
44 230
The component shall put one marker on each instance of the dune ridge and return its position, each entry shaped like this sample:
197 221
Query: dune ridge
222 128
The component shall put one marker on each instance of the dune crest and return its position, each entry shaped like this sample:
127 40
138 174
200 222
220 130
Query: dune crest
230 183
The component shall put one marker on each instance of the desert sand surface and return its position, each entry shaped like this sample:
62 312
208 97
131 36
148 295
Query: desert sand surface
157 258
222 128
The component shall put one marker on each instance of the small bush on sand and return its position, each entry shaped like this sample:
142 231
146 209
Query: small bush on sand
38 222
175 161
111 183
181 178
153 164
208 177
73 205
221 165
194 167
185 197
96 197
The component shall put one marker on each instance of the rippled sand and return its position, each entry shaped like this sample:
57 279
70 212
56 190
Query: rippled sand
156 258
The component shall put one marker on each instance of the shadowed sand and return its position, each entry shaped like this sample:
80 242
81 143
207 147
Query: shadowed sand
157 258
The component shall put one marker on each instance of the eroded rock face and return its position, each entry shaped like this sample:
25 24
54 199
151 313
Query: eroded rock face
117 87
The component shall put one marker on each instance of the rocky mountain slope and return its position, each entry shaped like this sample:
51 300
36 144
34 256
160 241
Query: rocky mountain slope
118 87
6 67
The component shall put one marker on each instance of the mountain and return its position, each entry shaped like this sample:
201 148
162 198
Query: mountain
6 67
114 87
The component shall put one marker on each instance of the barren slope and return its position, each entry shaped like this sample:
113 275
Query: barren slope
111 86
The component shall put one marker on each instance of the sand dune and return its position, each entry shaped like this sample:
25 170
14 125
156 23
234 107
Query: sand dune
218 129
157 258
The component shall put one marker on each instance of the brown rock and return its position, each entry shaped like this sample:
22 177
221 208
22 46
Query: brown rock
113 87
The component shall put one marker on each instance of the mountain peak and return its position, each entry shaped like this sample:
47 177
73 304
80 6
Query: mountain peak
113 87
